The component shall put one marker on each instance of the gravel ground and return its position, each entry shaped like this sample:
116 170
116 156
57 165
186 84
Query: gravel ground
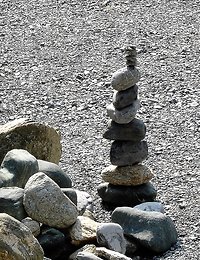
57 58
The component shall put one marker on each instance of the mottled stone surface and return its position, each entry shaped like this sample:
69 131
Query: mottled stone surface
111 236
125 78
41 140
17 167
110 254
83 231
152 230
133 131
125 153
126 195
11 202
125 115
89 248
84 202
16 241
127 175
45 202
54 172
125 98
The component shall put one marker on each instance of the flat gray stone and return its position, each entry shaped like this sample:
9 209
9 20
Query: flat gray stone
125 78
54 172
133 131
125 98
17 167
45 202
125 153
152 230
87 256
11 202
111 236
125 115
126 195
150 206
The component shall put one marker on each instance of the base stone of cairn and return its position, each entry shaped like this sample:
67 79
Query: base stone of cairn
126 180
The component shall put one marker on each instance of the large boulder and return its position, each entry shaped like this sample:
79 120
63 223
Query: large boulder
17 167
16 241
45 202
150 229
11 202
39 139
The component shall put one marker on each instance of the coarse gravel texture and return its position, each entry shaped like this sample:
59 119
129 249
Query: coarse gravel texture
57 59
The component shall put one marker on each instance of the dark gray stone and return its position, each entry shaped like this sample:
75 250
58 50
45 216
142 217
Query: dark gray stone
11 202
17 167
125 115
133 131
53 242
126 195
125 98
54 172
124 153
71 194
152 230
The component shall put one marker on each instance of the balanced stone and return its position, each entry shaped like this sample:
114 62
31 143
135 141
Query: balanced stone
125 78
127 175
45 202
126 195
152 230
125 98
133 131
124 153
125 115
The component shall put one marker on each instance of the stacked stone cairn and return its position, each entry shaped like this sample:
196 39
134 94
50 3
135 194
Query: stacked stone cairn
126 179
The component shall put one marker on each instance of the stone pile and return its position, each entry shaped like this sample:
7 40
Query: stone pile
41 215
126 179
